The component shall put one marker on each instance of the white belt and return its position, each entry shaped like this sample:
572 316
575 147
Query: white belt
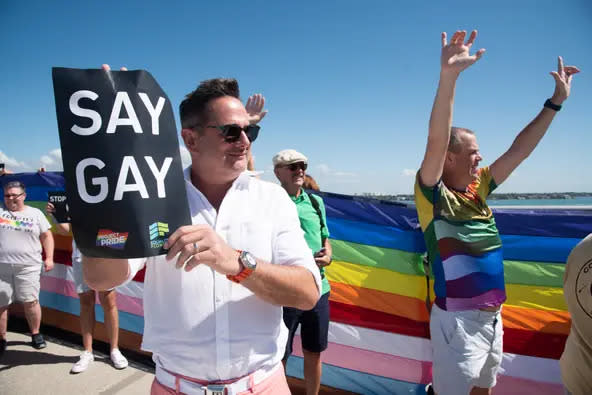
190 388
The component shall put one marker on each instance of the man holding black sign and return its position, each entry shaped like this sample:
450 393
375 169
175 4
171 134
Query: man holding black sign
212 307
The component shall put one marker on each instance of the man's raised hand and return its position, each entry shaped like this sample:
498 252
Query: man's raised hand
563 77
455 55
254 107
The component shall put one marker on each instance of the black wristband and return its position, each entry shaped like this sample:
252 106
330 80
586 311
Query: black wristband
552 106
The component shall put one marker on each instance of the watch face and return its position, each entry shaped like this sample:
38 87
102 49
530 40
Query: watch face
248 260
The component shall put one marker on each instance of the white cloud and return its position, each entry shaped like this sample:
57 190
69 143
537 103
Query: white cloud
324 170
46 160
344 174
12 164
56 153
52 161
409 172
333 180
185 156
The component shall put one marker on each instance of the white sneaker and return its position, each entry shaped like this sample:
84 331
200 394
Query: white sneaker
85 359
119 361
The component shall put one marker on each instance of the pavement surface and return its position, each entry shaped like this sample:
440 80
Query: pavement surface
26 371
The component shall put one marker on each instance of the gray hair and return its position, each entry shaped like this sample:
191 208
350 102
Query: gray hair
14 184
454 144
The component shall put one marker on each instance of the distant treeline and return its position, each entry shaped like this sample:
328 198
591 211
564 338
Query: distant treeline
496 196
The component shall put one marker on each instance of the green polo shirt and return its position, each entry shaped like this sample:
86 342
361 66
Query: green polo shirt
311 225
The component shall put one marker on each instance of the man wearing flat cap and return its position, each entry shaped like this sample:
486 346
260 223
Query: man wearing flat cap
290 167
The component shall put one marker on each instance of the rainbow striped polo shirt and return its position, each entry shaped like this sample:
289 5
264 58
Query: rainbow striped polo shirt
463 243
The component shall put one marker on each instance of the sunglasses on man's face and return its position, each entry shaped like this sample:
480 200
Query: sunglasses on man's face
297 166
13 195
232 133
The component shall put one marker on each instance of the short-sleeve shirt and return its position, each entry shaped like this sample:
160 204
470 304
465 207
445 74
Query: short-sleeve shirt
463 243
19 235
311 225
576 361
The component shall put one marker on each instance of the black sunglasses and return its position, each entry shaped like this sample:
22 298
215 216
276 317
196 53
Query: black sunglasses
13 195
297 165
232 133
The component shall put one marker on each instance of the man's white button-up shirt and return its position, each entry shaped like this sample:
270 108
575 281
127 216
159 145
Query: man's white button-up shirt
202 325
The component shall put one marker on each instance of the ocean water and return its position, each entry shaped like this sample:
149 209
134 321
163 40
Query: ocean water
577 201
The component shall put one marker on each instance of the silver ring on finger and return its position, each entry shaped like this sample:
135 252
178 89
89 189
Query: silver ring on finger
195 248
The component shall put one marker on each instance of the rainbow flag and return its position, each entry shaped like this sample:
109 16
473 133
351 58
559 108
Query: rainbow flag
379 332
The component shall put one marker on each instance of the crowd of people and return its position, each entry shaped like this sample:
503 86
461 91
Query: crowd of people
222 307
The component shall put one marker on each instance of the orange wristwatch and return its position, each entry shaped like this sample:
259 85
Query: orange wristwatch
248 262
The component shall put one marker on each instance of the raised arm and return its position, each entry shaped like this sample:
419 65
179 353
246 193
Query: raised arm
529 137
61 228
454 59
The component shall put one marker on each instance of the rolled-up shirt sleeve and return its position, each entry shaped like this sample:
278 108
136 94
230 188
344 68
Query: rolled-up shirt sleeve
289 247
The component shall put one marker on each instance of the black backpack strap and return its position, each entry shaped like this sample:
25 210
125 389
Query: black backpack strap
315 205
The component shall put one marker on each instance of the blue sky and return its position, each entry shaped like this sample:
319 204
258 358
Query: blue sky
348 83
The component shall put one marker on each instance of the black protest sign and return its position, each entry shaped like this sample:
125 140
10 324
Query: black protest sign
58 199
122 166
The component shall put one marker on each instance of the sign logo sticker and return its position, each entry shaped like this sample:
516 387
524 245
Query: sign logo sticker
158 232
108 238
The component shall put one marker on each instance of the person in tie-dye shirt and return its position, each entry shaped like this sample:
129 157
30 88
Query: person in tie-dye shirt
463 243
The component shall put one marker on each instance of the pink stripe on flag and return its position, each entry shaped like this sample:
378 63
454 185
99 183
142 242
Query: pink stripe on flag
508 385
58 286
414 371
64 287
375 363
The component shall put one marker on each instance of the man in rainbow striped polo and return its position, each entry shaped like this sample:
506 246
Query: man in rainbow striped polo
464 246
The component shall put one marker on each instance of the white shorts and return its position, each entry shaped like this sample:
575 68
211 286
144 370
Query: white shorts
468 349
20 283
81 286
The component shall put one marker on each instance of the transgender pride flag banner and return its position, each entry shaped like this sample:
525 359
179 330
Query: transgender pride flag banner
379 334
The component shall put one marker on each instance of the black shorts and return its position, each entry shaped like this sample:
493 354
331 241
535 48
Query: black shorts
315 326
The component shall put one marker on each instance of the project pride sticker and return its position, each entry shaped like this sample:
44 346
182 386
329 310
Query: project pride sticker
158 232
108 238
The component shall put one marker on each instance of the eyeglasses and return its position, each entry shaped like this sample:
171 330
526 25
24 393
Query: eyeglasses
13 195
296 166
232 133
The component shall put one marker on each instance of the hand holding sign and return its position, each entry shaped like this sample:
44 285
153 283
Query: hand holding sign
121 161
200 244
59 207
106 67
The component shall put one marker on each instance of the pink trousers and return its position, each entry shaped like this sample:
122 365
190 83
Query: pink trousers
275 384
